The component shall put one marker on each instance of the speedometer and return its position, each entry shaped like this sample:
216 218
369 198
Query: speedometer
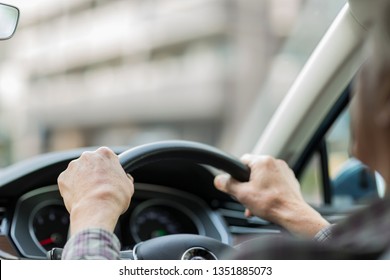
155 218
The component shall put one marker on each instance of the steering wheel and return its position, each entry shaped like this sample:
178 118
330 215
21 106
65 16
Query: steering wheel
181 246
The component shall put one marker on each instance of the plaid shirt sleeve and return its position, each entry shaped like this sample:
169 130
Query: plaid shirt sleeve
324 234
92 244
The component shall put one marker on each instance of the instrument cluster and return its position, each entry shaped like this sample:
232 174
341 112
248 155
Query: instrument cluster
41 221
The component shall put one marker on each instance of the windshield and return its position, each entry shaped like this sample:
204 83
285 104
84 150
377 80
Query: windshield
123 73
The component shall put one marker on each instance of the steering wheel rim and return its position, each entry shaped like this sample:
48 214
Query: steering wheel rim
139 156
182 246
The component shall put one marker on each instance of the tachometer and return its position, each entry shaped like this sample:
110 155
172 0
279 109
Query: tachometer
50 226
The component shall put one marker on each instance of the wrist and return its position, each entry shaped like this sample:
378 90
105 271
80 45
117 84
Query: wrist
88 216
303 220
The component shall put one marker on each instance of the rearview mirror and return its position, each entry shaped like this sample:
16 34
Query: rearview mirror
9 17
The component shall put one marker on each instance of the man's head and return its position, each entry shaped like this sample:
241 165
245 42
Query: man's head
370 108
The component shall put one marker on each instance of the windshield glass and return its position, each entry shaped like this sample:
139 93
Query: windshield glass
123 73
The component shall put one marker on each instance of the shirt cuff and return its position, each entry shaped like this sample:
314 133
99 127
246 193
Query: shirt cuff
324 234
92 244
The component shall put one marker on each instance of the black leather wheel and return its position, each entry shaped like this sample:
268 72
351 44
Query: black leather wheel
182 246
184 150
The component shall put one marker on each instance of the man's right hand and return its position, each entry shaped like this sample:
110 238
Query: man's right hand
273 193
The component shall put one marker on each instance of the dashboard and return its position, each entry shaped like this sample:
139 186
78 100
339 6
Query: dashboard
171 197
155 211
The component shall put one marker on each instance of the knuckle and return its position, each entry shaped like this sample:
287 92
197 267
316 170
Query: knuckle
281 162
72 163
60 179
84 155
105 151
266 161
269 160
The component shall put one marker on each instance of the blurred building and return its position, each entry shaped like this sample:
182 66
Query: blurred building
126 72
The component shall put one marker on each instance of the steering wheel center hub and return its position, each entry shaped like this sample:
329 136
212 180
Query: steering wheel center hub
198 253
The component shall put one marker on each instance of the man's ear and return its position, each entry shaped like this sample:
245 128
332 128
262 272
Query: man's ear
383 114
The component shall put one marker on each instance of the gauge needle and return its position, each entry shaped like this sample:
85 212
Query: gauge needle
46 241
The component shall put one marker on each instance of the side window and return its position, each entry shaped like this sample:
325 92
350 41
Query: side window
311 181
344 180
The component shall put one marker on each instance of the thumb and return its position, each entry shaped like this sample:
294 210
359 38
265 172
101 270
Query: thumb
225 183
221 182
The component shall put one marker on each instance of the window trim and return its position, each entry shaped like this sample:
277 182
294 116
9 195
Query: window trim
317 142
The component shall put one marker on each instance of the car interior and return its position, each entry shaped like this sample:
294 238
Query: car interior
175 205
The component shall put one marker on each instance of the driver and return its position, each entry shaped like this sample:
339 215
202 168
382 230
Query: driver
97 191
